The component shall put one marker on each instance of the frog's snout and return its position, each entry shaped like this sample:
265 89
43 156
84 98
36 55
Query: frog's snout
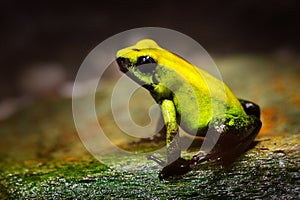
123 63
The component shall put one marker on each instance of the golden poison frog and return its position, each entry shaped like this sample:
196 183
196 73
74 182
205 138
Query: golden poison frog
195 100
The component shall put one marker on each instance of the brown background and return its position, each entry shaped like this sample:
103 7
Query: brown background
65 32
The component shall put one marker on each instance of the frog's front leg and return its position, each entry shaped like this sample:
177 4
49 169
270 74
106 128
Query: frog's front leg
175 165
172 136
171 133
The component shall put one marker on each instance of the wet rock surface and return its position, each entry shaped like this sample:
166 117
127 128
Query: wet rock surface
42 156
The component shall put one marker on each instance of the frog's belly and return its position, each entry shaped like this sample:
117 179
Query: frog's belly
192 122
195 119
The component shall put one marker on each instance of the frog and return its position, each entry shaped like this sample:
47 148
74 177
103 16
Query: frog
194 100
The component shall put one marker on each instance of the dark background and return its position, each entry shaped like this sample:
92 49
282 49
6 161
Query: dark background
65 32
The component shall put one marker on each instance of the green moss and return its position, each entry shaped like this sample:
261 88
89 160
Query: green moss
258 174
32 178
56 165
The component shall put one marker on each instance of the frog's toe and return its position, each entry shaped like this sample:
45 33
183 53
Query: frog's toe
157 160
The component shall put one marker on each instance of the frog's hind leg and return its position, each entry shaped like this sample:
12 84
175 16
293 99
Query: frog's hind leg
241 147
234 135
227 137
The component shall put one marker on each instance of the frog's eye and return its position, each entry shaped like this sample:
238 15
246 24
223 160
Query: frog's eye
146 65
144 60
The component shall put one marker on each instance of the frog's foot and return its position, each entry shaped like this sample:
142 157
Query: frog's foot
176 168
201 157
180 166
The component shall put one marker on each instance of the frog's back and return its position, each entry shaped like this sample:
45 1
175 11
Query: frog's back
196 90
220 94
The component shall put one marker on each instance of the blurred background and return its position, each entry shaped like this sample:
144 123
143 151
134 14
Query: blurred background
255 45
43 43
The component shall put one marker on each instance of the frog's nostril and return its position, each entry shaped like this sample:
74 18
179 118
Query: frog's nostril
123 63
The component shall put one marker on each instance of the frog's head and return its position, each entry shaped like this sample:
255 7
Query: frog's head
139 62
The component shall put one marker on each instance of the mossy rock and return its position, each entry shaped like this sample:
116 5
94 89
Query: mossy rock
42 157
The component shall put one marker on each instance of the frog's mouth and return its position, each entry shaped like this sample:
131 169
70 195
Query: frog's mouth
124 65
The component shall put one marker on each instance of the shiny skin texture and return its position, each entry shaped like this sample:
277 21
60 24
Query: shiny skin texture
191 98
